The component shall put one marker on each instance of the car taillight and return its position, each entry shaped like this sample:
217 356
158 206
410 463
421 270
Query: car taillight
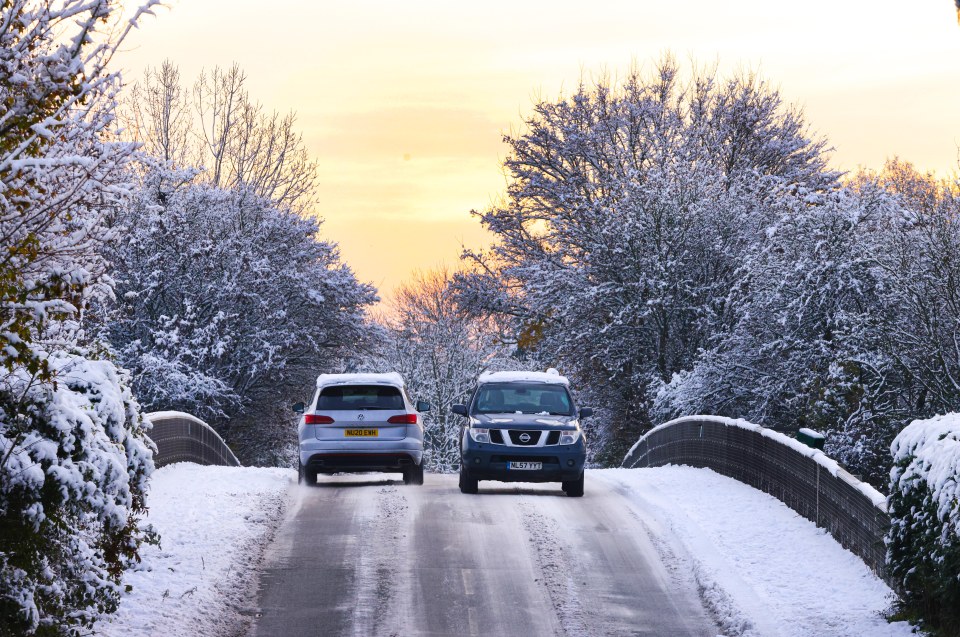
403 419
317 419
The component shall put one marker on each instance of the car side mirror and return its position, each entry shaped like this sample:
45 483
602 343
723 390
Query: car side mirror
586 412
460 410
423 405
298 408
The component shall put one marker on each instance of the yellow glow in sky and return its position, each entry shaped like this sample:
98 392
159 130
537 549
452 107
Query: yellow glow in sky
404 103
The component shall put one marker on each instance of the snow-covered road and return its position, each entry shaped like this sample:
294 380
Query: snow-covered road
667 551
367 558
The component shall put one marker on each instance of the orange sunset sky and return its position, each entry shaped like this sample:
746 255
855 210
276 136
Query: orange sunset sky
403 104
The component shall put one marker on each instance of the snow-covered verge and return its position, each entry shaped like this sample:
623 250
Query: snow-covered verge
761 568
214 523
924 541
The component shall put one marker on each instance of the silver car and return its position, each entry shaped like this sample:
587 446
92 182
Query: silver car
361 423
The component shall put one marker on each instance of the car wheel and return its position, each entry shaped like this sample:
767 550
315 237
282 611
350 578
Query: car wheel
468 484
305 475
413 475
573 488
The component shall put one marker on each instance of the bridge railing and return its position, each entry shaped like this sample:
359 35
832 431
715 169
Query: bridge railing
181 437
805 479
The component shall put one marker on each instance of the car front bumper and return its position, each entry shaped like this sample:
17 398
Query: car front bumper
486 461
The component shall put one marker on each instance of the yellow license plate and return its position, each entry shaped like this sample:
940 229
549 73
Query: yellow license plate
361 433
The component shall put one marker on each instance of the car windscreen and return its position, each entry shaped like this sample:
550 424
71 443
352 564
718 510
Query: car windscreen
499 398
360 397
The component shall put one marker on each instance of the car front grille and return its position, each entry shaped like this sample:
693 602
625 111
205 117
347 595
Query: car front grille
513 439
524 438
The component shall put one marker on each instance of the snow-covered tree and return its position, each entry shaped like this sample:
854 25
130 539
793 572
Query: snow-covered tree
73 459
625 222
228 306
920 261
845 319
804 348
440 350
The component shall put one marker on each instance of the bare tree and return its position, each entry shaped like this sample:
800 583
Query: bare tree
218 97
246 147
157 112
216 127
268 156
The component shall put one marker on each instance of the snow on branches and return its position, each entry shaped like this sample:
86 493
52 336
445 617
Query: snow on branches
924 539
625 223
682 247
73 460
226 303
74 464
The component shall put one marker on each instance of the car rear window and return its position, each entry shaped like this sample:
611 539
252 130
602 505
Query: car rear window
500 398
359 397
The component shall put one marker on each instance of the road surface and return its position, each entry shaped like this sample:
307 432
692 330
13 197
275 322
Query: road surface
368 556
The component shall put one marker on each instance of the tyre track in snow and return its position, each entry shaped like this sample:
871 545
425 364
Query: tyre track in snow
377 570
554 560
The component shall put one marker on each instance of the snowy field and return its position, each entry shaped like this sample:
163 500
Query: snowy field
761 569
214 524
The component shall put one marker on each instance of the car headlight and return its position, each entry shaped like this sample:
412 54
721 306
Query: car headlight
480 435
569 437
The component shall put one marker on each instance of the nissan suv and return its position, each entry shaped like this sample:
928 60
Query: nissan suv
522 427
361 423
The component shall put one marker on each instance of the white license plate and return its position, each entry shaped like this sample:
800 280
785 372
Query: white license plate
526 466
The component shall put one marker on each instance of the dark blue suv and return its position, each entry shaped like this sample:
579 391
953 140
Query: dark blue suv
522 427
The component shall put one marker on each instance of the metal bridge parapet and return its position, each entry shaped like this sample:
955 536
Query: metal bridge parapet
181 437
805 479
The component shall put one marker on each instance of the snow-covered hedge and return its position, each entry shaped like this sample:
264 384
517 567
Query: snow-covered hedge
73 461
924 540
73 469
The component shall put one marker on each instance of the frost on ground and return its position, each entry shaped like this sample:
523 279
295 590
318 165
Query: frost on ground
762 569
214 523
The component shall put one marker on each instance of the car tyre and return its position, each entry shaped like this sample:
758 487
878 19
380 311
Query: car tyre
413 475
573 488
468 484
305 475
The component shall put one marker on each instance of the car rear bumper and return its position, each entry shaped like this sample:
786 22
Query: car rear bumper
492 462
335 456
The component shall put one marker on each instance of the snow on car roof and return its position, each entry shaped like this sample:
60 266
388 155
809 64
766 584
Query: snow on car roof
550 376
391 378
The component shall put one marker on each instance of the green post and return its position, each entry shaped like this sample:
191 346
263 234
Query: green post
811 438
